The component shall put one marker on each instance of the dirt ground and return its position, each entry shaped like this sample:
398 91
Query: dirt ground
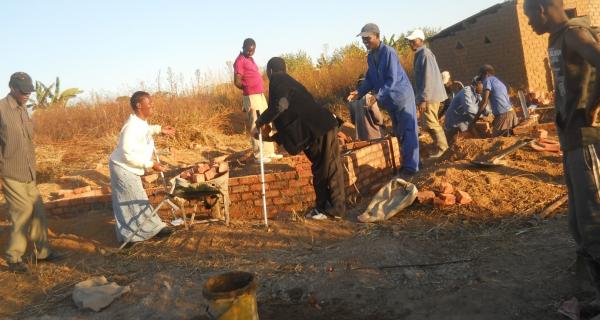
492 259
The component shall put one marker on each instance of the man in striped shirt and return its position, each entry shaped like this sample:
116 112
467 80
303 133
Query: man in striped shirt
17 163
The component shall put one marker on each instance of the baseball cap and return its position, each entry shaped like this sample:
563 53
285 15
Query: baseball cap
417 34
370 29
22 82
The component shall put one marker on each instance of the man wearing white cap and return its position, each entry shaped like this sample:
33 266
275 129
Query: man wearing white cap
429 90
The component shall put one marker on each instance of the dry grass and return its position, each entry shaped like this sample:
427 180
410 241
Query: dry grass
211 118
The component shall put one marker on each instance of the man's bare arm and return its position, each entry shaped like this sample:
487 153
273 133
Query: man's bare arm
237 81
583 43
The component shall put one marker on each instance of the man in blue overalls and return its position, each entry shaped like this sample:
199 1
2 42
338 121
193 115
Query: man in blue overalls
394 92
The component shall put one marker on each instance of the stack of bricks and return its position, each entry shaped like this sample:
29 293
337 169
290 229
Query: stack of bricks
365 169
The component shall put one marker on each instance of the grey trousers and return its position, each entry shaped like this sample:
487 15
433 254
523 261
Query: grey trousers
28 216
582 174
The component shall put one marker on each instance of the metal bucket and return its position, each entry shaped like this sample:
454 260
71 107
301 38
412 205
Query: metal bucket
231 296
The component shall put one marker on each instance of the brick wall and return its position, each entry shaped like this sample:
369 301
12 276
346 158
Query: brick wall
491 38
539 74
518 54
365 171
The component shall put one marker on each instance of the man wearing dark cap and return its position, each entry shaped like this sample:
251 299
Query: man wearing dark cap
305 126
394 92
17 164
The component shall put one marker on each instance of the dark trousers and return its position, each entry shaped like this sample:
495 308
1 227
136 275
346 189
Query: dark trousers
582 174
328 177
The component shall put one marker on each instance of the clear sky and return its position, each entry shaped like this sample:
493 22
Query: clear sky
111 46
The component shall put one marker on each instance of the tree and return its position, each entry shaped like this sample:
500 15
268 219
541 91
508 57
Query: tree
45 97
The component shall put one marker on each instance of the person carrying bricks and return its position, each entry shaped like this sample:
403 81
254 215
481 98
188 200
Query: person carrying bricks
304 126
247 78
17 158
131 158
387 78
496 94
429 91
574 52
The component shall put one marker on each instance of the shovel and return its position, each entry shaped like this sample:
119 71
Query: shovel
497 160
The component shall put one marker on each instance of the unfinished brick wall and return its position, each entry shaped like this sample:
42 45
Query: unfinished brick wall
492 38
365 171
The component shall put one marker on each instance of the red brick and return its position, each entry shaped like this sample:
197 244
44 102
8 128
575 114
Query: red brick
82 190
150 178
247 196
281 200
239 189
249 180
298 183
425 197
210 174
463 197
273 193
444 200
234 181
201 168
259 202
257 187
446 188
269 177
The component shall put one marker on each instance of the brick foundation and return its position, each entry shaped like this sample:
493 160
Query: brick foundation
286 191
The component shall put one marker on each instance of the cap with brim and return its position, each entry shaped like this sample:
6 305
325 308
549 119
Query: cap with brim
370 29
417 34
22 82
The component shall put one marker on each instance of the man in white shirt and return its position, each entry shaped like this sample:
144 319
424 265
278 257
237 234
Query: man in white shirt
129 161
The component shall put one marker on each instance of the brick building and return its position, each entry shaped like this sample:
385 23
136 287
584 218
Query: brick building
501 36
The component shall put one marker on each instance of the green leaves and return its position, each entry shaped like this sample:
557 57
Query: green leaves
51 96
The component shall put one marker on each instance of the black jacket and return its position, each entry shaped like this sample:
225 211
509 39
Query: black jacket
296 116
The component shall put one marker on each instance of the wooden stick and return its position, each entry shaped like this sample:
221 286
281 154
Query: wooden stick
553 206
419 265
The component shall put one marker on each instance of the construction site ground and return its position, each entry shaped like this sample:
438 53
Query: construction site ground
492 259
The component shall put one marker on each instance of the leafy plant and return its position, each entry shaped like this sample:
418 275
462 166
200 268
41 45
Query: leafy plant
48 96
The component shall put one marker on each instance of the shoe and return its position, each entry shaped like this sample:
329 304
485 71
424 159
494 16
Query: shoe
164 232
437 154
316 214
18 267
52 257
265 160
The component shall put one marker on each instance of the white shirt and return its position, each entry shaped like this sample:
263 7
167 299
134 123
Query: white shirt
135 147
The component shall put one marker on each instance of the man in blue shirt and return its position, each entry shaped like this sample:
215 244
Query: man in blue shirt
462 110
394 92
495 92
429 90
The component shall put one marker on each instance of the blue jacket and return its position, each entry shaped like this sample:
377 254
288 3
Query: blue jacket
389 80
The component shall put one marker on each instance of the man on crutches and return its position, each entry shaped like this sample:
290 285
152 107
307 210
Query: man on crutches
136 220
303 125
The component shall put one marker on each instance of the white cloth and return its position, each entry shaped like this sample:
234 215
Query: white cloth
135 147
